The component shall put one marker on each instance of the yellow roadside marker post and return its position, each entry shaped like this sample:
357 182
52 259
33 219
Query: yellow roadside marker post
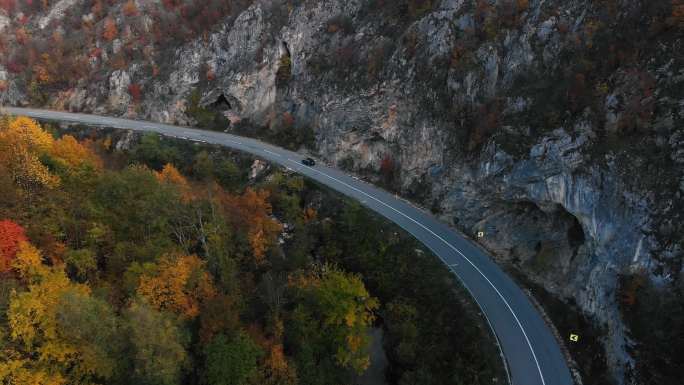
574 337
480 234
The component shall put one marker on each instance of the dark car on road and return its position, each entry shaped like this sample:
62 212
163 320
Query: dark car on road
308 162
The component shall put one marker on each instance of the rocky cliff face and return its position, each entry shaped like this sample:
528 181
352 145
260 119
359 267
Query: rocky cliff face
555 127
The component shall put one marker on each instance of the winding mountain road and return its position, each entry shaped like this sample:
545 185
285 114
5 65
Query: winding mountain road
531 352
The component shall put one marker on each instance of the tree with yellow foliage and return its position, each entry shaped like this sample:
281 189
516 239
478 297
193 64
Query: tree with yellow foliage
180 284
331 320
28 172
62 335
26 132
22 143
28 263
18 371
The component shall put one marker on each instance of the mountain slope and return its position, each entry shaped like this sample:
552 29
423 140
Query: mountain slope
554 127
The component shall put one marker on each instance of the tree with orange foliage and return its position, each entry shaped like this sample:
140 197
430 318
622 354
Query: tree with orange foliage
180 285
73 154
309 214
254 209
22 36
109 31
41 74
171 176
276 370
130 9
11 234
42 70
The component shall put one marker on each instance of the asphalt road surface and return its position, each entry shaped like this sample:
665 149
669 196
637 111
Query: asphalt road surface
531 352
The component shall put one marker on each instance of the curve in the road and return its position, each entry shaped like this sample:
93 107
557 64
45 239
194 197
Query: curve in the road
532 354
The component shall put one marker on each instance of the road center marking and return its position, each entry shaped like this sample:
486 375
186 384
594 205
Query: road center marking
271 152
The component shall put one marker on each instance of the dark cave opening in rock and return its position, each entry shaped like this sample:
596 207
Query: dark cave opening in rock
575 233
550 230
565 222
287 49
563 219
221 103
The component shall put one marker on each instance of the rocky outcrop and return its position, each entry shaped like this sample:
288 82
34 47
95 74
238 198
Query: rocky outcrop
4 22
568 224
57 12
119 97
10 92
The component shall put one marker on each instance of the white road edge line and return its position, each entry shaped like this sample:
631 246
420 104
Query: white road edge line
529 344
489 322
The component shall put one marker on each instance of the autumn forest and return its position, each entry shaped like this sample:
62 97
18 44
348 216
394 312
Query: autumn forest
165 262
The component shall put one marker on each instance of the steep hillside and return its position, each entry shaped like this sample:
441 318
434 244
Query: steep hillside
555 127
